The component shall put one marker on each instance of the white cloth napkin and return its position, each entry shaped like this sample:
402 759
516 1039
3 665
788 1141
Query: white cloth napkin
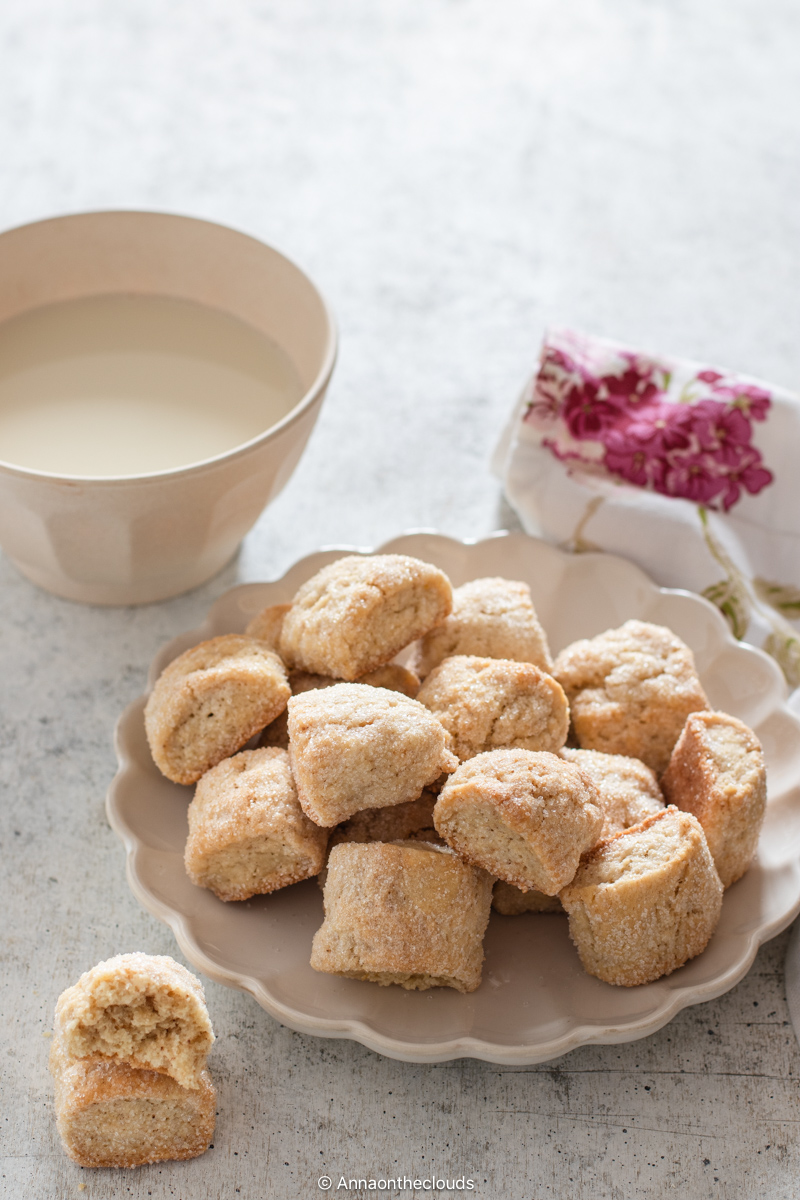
690 471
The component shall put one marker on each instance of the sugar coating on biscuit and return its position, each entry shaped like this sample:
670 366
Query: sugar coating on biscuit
357 613
266 625
644 901
113 1115
210 701
491 618
630 691
717 772
353 746
628 791
410 914
495 703
411 821
509 901
524 816
392 676
141 1009
248 834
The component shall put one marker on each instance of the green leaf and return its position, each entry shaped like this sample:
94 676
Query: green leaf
786 652
732 601
784 597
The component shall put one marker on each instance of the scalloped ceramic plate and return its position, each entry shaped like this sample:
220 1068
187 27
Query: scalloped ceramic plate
535 1002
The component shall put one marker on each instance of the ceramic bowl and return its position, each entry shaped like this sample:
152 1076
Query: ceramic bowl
140 538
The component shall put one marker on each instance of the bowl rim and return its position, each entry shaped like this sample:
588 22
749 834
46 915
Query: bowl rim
299 410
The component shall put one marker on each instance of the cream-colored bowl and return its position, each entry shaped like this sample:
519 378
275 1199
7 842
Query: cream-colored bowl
140 538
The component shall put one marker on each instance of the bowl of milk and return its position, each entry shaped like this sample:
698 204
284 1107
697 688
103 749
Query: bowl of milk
159 379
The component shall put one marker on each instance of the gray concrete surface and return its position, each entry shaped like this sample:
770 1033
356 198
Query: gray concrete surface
454 174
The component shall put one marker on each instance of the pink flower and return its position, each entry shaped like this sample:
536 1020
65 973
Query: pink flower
693 477
588 413
749 472
720 428
605 408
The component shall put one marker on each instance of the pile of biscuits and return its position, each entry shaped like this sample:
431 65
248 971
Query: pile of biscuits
481 771
129 1064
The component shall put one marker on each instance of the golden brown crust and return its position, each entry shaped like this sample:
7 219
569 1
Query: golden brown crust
717 772
495 703
409 913
113 1115
630 691
248 834
210 701
645 901
141 1009
412 820
266 625
353 746
524 816
491 618
391 676
628 791
357 613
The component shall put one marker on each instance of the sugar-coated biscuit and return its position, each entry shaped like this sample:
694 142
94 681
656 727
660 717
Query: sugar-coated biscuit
628 791
524 816
266 626
717 772
210 701
496 703
353 746
391 676
630 691
411 821
248 834
491 618
510 901
357 613
644 901
113 1115
140 1009
409 913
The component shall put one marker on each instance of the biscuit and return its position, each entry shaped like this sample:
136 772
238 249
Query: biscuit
628 791
354 746
491 618
644 901
717 772
509 901
391 676
407 913
210 701
143 1010
358 612
412 820
248 834
630 691
524 816
494 703
113 1115
266 626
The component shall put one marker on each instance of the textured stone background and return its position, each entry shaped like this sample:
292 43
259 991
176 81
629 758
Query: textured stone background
454 174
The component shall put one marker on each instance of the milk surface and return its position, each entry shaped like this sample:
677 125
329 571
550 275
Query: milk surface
125 385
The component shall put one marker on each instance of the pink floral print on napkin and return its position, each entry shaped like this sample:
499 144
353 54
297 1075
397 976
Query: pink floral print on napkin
608 410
